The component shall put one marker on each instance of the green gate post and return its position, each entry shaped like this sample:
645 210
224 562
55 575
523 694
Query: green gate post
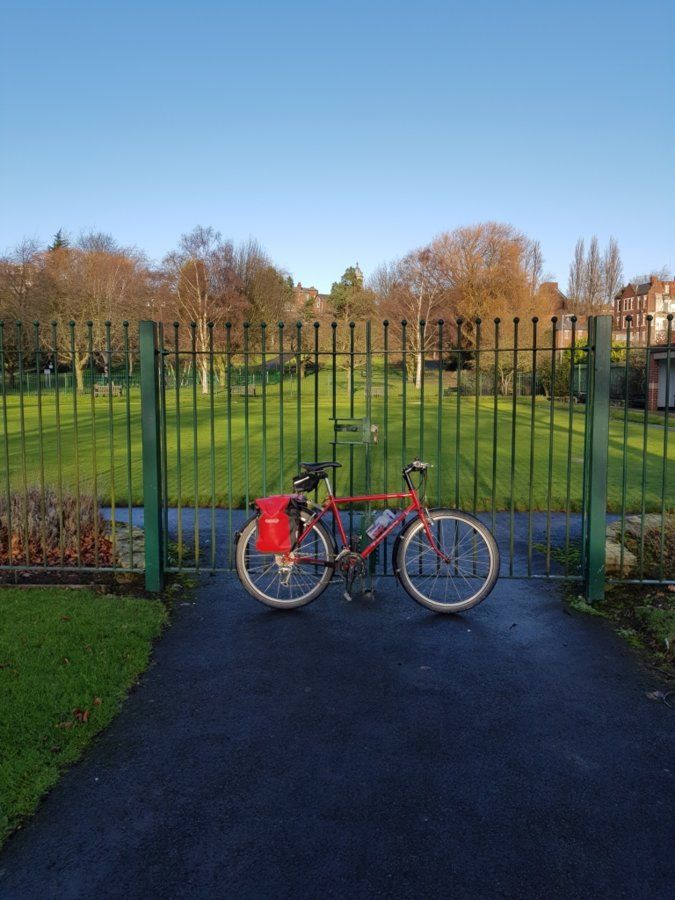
598 436
152 483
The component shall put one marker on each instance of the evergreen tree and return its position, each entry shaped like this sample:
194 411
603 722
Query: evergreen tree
60 241
348 299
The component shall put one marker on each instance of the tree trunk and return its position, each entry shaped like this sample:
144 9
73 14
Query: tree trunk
504 382
80 366
418 371
204 366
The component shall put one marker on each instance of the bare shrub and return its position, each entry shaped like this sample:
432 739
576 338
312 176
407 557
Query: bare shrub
37 527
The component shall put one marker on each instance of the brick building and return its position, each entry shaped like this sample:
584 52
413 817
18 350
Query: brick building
308 299
661 387
561 307
655 297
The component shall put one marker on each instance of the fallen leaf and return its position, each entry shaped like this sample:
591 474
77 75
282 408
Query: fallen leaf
656 695
65 618
97 701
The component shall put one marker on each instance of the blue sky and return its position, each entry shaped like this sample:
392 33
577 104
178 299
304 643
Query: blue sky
336 132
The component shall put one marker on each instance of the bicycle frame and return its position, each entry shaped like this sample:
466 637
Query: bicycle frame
332 504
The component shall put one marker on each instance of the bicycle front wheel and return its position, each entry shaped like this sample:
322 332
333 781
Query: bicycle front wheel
458 579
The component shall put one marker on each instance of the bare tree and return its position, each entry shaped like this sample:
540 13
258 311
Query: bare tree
480 271
534 263
203 274
488 270
612 270
593 280
97 241
413 290
94 286
17 281
268 289
19 300
662 274
577 276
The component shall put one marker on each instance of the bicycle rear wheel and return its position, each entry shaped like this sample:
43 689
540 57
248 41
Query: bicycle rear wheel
285 585
463 576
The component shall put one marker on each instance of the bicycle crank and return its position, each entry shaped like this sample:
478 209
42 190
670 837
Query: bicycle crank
351 565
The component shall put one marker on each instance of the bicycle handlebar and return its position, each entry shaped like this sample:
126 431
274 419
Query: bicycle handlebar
417 466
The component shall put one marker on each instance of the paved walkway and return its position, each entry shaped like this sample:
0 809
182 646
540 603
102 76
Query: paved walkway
366 750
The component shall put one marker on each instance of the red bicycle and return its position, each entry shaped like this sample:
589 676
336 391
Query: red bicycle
445 559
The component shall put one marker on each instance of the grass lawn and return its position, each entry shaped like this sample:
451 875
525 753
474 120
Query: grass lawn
252 454
67 659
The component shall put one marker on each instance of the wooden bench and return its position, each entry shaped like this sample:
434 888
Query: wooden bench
103 390
241 390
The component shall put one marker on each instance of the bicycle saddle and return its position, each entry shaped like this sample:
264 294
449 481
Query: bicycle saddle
319 466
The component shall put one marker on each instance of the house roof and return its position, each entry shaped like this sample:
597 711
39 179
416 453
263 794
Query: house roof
637 290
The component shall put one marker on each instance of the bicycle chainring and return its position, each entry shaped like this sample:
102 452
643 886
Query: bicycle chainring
350 565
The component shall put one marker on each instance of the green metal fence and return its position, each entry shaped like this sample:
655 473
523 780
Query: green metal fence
151 461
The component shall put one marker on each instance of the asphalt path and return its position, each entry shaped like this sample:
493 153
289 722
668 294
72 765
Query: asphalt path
368 749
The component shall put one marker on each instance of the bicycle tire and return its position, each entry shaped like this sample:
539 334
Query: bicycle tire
426 557
244 552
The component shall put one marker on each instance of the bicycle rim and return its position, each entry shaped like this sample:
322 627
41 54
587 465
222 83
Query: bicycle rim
266 579
461 580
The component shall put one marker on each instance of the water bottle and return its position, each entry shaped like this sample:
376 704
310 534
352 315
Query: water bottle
385 518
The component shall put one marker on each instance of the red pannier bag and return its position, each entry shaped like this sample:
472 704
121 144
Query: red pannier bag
274 524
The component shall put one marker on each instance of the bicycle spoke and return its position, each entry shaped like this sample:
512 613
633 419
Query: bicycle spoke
459 572
286 581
